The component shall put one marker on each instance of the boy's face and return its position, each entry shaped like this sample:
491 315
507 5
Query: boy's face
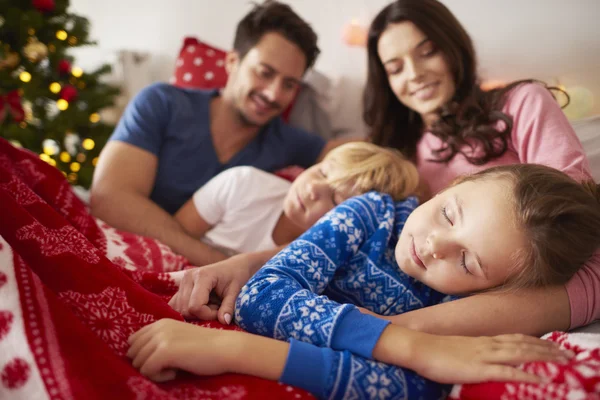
463 240
311 195
265 81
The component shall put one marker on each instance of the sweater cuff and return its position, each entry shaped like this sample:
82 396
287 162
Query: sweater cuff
358 333
307 367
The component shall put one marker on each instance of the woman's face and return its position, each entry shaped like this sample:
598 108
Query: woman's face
418 72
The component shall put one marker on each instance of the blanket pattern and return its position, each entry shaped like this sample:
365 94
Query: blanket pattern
72 290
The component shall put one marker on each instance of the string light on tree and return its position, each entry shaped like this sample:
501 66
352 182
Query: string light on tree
80 158
75 166
65 157
62 104
25 76
76 72
94 118
61 35
55 87
50 147
88 144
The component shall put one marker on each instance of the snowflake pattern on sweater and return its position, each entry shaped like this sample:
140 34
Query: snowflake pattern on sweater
310 290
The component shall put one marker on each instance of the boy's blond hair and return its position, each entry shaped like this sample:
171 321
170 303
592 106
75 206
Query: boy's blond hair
366 167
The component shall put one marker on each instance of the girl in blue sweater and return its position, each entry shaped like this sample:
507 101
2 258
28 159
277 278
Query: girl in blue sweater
388 258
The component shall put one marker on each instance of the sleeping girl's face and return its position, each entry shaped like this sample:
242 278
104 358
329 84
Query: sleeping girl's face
463 240
311 195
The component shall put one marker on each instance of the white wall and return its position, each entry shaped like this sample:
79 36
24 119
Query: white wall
554 40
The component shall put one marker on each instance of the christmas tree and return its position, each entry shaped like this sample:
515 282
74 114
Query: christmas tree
47 103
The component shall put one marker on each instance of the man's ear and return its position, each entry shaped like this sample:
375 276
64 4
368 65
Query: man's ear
232 61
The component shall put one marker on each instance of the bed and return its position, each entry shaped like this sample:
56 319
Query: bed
72 289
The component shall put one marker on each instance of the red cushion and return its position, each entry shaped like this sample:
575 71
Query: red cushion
200 66
289 173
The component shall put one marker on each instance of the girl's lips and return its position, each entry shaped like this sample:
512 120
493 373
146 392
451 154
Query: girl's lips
415 256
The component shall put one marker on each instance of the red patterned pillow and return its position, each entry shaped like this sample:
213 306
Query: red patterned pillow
200 66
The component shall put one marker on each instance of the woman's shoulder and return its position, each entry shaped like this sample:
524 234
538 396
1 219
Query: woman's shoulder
529 94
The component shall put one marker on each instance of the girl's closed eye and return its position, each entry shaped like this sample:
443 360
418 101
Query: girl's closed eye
445 214
463 257
463 262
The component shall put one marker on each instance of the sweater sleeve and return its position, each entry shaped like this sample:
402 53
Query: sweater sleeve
283 299
542 134
330 374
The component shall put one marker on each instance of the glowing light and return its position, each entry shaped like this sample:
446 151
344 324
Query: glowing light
65 157
88 144
25 76
76 72
95 161
95 117
61 35
75 166
55 87
62 104
50 150
355 34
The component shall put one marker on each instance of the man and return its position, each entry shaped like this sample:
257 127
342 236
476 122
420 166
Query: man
171 141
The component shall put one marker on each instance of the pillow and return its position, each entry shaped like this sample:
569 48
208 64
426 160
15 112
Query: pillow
200 66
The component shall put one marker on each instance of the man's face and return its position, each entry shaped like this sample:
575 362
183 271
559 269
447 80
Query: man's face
265 81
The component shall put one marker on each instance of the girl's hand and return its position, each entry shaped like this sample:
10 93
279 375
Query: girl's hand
160 348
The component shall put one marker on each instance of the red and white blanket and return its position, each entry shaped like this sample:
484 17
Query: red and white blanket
72 290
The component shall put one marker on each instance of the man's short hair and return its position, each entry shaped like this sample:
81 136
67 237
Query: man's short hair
273 16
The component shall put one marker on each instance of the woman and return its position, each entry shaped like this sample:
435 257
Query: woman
423 97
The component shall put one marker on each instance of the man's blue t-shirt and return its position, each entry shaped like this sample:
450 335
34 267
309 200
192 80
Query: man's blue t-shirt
174 124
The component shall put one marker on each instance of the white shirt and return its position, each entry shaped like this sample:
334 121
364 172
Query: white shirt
243 205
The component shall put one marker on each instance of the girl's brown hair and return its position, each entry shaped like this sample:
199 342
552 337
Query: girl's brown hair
471 116
560 218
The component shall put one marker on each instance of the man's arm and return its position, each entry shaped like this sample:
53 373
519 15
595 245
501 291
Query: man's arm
531 311
120 192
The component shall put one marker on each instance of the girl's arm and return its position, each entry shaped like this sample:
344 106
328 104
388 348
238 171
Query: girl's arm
282 300
163 346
